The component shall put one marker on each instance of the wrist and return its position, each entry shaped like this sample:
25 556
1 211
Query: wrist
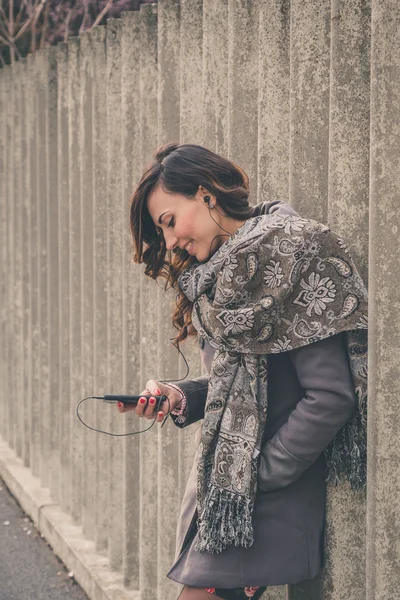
180 405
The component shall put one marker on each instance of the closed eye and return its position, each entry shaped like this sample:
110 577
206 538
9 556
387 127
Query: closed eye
171 223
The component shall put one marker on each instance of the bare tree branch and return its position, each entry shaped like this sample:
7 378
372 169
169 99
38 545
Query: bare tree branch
102 14
32 19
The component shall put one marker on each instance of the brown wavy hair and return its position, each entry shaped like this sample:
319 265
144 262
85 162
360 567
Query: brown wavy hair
181 169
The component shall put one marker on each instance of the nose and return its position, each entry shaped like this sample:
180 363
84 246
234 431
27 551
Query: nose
171 242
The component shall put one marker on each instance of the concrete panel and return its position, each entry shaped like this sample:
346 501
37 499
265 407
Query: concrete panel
309 107
383 496
167 356
52 269
215 76
99 121
25 272
149 330
63 402
114 287
274 101
41 143
34 408
348 215
11 397
3 253
130 162
243 59
86 192
17 235
75 281
191 131
191 71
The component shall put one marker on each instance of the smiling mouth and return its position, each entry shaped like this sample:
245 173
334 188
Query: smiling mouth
189 247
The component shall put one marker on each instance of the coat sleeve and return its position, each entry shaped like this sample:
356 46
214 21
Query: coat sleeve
324 373
195 391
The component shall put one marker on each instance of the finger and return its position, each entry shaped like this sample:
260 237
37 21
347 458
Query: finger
122 408
149 410
141 406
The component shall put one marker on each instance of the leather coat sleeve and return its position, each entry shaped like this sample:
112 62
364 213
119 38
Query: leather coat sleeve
324 373
196 395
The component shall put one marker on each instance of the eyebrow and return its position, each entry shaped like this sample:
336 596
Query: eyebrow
160 217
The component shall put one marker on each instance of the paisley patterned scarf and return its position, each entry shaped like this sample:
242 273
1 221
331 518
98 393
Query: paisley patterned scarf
279 283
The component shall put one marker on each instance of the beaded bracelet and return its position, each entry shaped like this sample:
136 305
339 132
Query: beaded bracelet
182 409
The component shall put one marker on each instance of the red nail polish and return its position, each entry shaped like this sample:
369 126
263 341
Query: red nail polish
152 400
142 400
119 404
160 414
157 392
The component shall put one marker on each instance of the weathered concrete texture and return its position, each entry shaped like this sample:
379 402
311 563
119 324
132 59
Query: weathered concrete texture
169 496
75 274
273 101
149 330
115 225
42 66
292 92
34 300
191 131
309 106
63 403
215 76
243 57
87 212
383 496
100 133
89 568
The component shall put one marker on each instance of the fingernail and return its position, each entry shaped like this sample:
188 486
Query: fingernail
119 404
157 392
152 400
142 400
161 414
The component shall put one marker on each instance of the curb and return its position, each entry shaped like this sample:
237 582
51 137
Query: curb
90 569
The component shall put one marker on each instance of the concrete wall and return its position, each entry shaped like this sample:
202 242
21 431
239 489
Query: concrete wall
304 95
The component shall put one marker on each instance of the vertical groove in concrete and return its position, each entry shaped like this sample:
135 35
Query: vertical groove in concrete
273 101
114 287
191 131
63 403
25 272
168 359
86 193
17 235
52 268
99 124
243 59
34 407
215 76
75 265
42 74
130 161
149 369
309 107
383 496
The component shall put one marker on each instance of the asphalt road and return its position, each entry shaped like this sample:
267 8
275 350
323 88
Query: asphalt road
28 568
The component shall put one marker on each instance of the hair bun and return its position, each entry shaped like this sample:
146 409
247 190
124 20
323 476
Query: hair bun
165 150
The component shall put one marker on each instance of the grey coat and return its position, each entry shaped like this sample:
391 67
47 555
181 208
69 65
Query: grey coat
310 397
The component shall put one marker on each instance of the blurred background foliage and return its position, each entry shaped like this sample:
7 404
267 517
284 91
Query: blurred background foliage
27 25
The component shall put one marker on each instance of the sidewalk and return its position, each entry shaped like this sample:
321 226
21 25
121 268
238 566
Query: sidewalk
28 566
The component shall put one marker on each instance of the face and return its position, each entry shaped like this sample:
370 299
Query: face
183 220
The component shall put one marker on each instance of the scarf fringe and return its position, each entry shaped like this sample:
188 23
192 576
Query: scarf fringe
226 519
346 455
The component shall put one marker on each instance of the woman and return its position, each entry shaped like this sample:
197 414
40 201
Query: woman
280 314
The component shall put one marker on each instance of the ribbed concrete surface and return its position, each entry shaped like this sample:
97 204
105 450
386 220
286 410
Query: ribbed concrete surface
303 95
